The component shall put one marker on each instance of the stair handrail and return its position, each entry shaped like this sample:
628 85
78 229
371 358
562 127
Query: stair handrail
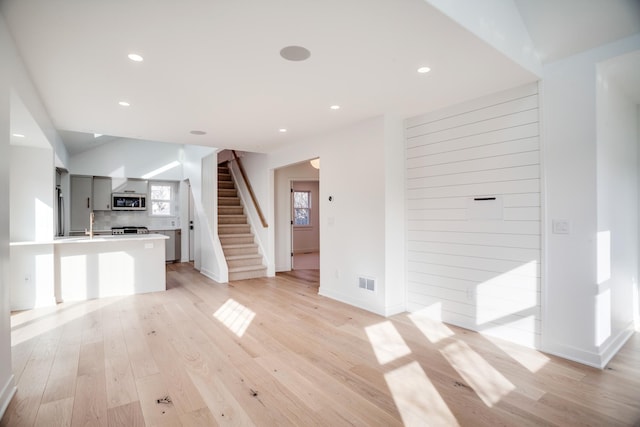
250 188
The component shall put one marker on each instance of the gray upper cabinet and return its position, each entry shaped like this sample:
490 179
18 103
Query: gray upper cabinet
101 193
81 203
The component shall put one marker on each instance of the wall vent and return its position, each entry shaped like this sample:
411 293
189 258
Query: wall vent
367 283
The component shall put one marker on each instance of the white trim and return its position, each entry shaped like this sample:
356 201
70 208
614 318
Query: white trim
211 275
615 345
347 300
8 391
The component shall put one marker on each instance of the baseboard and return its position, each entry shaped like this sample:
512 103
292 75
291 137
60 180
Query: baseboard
346 300
394 309
6 395
615 345
594 359
211 275
572 353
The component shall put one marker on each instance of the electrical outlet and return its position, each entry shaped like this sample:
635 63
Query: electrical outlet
561 226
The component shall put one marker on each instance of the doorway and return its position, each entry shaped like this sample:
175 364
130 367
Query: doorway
305 225
284 180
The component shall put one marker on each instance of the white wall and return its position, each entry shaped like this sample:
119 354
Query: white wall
617 198
570 290
282 205
31 198
7 385
14 79
200 168
476 263
130 158
353 172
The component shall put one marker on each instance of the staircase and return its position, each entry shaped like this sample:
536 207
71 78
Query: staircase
241 252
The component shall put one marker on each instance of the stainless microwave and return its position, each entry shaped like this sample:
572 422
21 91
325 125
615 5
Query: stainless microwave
128 202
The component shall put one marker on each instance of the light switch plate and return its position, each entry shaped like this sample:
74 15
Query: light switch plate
561 226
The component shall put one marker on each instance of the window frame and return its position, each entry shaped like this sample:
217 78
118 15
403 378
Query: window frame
171 201
307 208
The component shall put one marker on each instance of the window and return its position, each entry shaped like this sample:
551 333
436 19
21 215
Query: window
161 199
302 208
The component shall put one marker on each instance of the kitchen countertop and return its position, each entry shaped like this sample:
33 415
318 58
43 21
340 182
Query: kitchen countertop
96 239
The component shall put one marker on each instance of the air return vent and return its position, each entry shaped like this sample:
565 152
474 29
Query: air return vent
367 283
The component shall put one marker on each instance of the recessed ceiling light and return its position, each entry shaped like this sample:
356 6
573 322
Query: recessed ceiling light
135 57
424 70
295 53
282 130
18 135
335 107
198 132
124 104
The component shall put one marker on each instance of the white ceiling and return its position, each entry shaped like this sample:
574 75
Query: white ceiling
560 28
214 65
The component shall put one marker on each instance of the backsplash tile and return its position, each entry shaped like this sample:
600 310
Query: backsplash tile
104 220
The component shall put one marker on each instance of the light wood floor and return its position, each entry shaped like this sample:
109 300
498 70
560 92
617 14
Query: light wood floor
272 352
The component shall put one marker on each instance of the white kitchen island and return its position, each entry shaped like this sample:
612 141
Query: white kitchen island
81 268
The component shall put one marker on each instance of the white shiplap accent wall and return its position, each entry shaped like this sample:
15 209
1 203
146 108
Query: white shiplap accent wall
481 274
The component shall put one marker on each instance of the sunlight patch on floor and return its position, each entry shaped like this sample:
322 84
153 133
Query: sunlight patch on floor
235 316
532 360
488 383
416 398
434 330
31 323
387 342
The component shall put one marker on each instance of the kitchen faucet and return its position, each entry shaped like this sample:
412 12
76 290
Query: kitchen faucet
92 219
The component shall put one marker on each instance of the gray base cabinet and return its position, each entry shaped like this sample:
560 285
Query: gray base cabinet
172 246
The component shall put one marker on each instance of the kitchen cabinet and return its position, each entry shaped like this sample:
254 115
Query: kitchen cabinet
81 206
172 246
101 193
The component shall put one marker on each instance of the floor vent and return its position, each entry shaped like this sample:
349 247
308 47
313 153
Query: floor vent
367 283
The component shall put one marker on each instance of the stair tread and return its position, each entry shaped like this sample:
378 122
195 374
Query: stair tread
240 245
231 215
247 268
237 235
239 257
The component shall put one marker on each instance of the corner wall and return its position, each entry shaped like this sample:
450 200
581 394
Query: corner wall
617 199
572 296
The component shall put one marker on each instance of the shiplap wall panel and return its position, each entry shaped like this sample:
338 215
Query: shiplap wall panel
508 200
523 145
494 240
422 145
508 108
473 105
482 274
